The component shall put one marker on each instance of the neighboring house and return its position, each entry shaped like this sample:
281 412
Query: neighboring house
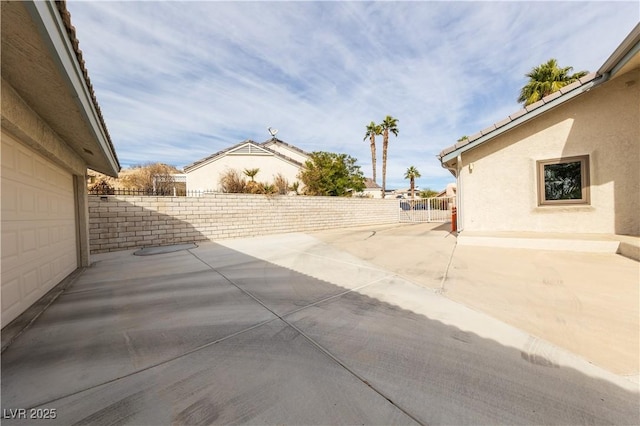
406 193
371 189
569 163
449 191
52 130
127 184
272 157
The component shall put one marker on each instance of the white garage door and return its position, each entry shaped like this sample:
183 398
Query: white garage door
38 226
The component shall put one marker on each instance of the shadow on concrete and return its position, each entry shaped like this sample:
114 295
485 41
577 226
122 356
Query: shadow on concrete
181 233
215 335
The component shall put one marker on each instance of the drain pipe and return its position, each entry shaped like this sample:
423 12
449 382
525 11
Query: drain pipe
456 172
459 191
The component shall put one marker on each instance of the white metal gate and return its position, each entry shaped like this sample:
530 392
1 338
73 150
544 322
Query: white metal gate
437 209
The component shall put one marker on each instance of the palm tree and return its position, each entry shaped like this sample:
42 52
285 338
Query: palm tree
373 130
251 173
389 124
545 79
412 174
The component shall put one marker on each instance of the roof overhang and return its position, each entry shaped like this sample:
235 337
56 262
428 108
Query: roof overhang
41 62
625 58
516 120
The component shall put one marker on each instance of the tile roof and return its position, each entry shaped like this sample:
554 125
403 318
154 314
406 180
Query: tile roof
65 15
370 184
625 56
523 114
288 145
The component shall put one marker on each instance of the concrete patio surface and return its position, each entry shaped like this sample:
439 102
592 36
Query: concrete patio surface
295 329
587 303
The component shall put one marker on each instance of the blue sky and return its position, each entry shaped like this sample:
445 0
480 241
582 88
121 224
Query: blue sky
178 81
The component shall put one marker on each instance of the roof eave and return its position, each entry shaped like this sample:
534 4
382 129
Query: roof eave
46 15
447 157
623 53
220 154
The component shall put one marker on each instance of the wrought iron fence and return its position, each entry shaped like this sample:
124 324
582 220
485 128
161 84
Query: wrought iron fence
168 192
437 209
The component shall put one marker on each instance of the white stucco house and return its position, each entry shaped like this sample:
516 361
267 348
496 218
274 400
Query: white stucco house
272 157
52 131
371 189
569 163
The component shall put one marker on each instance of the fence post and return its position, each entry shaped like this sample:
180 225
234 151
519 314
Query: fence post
429 209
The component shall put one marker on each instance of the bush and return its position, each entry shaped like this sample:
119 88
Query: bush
282 184
101 188
232 182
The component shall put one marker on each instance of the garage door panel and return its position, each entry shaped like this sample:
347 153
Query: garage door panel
30 282
8 158
25 243
21 289
27 205
43 237
10 293
46 276
9 198
10 245
38 226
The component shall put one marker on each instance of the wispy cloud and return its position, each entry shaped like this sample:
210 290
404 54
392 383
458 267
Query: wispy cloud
178 81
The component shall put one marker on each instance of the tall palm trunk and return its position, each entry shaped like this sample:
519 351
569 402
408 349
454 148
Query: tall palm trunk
389 124
373 155
385 144
373 130
413 187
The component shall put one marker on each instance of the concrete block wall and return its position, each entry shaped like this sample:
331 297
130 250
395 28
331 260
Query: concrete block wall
127 222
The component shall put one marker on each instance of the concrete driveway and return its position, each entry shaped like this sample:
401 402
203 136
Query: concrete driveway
289 329
588 303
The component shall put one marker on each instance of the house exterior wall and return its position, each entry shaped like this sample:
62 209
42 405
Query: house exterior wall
499 190
371 193
121 223
207 177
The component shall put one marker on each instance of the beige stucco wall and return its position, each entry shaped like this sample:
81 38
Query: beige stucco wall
371 193
207 177
499 191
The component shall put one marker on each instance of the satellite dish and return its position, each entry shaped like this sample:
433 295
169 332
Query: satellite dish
272 132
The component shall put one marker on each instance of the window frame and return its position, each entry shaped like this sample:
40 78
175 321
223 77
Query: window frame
584 181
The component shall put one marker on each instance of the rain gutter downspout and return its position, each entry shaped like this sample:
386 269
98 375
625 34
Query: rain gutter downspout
460 221
456 172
